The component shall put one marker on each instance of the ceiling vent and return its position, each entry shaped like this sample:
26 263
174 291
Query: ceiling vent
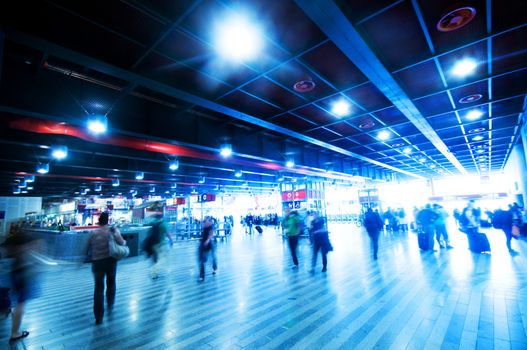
456 19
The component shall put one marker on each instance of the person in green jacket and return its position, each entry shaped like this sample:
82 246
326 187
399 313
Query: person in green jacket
292 230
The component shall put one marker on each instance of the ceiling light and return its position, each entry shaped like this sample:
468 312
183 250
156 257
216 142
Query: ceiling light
29 188
480 151
341 108
237 38
152 189
470 98
238 173
59 152
407 150
422 160
245 184
97 188
173 186
383 135
30 178
115 182
432 166
43 168
167 192
201 180
22 184
464 67
139 175
290 163
474 114
98 124
226 150
173 165
23 191
16 190
477 138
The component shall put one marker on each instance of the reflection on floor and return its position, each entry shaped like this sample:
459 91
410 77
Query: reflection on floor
405 300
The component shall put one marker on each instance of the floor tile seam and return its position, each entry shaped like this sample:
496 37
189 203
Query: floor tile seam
383 325
191 322
366 300
366 316
205 306
440 326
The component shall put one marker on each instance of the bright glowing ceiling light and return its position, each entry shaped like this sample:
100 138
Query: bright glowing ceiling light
238 39
407 150
477 138
139 175
115 182
474 114
98 124
43 168
173 165
464 67
16 190
29 188
201 180
432 166
383 135
290 163
173 186
422 159
152 189
341 108
29 178
22 184
226 150
59 152
480 151
238 173
97 188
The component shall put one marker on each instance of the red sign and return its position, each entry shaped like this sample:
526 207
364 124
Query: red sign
299 195
206 197
287 196
110 206
81 207
180 200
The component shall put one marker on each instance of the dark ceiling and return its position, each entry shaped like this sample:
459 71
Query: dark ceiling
151 67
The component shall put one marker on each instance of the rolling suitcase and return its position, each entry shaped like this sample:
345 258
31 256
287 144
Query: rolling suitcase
478 242
259 229
424 241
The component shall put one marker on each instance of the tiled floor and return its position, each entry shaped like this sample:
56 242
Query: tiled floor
406 300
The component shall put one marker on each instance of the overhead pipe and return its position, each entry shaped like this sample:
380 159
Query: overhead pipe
60 128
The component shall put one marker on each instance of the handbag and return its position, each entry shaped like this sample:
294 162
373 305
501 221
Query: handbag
515 231
116 251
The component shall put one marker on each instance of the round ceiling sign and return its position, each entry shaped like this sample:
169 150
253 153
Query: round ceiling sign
456 19
304 86
474 131
470 98
367 124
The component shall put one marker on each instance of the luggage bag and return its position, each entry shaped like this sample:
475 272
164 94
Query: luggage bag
258 228
478 242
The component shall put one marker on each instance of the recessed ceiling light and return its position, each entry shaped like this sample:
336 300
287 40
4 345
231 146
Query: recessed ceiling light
422 160
59 152
477 138
470 98
139 175
173 165
97 188
474 114
238 173
226 150
43 168
407 150
433 166
464 67
201 180
341 108
395 145
367 124
237 38
29 178
383 135
97 124
115 182
290 163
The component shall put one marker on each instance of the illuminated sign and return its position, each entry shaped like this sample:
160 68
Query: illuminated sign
206 197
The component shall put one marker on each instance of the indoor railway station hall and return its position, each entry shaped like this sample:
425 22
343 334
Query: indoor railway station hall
279 174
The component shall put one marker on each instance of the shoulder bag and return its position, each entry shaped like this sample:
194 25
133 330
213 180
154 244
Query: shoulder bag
116 251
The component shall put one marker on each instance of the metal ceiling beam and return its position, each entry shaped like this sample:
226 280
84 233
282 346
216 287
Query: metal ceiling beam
331 20
103 67
2 42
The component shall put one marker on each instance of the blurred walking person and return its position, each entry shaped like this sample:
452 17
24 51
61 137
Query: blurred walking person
440 226
22 247
292 229
206 248
157 244
103 266
373 224
320 237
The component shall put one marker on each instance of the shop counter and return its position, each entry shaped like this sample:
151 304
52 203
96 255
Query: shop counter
71 245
